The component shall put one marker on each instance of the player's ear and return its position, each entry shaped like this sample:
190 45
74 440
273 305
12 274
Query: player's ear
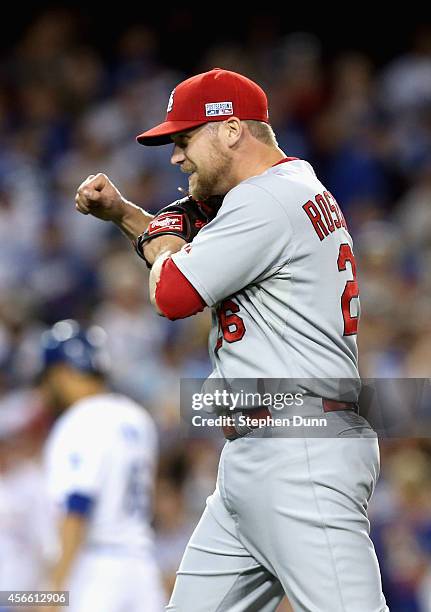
233 130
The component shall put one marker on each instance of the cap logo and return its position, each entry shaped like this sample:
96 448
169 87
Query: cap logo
171 101
215 109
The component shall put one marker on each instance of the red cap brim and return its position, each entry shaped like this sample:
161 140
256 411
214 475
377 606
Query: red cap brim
161 134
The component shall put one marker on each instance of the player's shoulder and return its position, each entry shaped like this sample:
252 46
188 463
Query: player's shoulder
96 425
102 413
279 185
288 177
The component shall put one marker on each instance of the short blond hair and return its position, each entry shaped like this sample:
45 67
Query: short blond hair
262 131
258 129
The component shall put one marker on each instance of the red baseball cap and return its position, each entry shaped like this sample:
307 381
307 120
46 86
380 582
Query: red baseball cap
211 96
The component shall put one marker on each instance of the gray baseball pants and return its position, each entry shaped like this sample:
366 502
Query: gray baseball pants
289 515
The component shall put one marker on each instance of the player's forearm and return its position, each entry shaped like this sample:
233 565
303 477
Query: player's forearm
134 220
72 533
155 275
156 252
172 294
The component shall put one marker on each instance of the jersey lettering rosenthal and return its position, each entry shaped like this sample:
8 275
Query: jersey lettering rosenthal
325 206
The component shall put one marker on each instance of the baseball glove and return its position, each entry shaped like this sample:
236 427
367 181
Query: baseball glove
183 218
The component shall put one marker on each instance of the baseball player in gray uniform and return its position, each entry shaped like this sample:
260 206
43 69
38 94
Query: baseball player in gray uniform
265 245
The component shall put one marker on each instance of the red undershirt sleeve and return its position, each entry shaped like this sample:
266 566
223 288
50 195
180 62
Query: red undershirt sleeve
175 296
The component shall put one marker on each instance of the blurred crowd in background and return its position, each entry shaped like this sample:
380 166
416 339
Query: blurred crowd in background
67 112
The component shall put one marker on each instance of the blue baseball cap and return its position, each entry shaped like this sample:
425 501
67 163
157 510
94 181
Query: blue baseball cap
83 349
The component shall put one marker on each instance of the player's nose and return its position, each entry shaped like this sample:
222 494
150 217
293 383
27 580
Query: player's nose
177 156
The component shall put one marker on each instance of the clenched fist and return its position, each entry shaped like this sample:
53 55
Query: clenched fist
99 197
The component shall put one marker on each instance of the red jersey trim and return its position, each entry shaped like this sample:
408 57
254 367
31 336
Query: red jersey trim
284 160
175 296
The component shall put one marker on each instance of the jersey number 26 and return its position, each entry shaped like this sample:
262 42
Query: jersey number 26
230 324
351 290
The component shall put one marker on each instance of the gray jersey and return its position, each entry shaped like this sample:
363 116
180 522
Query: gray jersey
276 266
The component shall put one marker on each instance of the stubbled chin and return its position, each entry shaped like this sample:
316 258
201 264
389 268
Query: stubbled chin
192 183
